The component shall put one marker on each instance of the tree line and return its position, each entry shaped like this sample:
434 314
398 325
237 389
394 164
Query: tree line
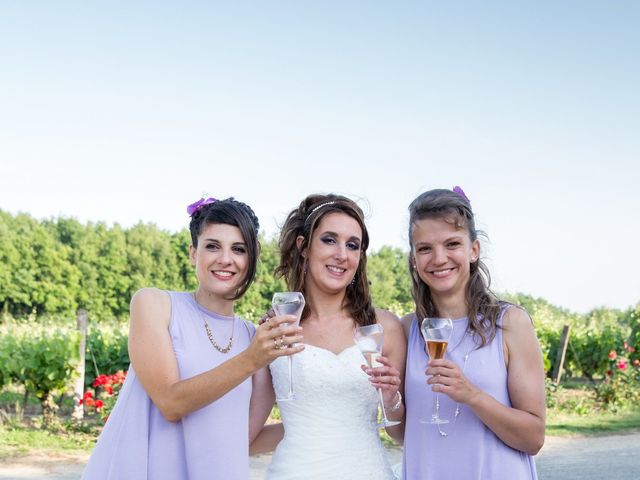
51 268
56 266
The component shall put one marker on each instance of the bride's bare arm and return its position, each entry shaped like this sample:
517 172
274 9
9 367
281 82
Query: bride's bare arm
268 439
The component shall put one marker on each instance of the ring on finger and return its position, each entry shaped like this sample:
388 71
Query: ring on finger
275 344
281 344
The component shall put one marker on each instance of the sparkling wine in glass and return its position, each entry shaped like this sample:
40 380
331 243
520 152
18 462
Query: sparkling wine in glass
288 303
436 332
370 340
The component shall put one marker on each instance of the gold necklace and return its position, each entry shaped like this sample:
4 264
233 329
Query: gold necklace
222 350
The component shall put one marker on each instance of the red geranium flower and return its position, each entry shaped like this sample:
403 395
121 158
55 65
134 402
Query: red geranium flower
613 355
622 364
100 380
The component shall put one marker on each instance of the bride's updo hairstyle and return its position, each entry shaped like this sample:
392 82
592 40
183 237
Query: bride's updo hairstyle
229 212
302 222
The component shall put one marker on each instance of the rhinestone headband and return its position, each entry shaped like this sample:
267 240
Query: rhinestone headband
314 209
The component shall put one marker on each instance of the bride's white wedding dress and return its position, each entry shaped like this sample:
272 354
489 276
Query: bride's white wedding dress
330 428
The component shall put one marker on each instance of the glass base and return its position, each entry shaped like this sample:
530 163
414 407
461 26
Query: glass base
290 398
388 423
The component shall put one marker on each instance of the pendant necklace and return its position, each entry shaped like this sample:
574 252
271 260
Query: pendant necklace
222 350
464 367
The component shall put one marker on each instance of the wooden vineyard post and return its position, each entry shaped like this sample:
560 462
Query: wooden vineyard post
562 350
78 388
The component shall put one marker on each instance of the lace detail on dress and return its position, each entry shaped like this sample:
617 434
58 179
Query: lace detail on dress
330 428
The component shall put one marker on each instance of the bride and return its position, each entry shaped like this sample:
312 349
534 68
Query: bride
329 431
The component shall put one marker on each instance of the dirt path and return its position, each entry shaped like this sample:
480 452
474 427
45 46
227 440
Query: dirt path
40 467
590 458
584 458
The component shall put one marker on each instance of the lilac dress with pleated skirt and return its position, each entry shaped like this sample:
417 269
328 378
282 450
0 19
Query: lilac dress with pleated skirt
138 443
470 451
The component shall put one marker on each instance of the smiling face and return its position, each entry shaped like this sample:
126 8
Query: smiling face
333 254
221 260
442 255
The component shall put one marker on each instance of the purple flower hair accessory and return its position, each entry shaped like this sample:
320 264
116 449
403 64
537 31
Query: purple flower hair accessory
194 207
460 192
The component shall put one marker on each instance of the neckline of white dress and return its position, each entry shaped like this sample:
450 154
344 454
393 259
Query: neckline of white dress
307 345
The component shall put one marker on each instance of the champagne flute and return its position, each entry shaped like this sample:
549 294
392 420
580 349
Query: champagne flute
288 303
369 340
436 332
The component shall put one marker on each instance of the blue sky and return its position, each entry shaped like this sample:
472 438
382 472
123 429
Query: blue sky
124 113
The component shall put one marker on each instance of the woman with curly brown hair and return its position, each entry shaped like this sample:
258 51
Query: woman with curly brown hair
330 428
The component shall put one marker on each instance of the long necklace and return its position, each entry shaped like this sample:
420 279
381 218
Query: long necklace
222 350
457 411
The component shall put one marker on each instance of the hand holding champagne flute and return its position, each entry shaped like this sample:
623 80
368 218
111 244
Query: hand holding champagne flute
436 332
370 339
288 303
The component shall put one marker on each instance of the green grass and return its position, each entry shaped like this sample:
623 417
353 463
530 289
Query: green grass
19 440
566 424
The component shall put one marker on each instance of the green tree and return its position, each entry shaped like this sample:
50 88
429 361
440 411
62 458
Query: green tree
257 300
151 259
389 279
41 278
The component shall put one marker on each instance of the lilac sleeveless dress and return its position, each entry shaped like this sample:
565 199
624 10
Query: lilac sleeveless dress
138 443
470 450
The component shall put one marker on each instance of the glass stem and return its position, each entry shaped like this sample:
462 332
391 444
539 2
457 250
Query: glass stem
436 407
384 413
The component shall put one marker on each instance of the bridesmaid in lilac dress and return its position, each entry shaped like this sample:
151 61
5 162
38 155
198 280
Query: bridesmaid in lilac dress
490 384
196 369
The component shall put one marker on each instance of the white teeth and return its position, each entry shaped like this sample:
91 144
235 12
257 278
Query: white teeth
336 269
441 273
221 273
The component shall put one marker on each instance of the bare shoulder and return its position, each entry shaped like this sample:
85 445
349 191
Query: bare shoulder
150 305
518 331
516 319
395 343
388 320
406 322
